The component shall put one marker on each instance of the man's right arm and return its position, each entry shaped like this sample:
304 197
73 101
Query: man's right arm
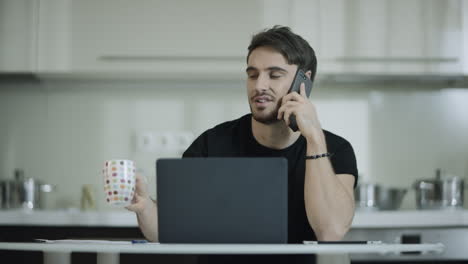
148 221
146 210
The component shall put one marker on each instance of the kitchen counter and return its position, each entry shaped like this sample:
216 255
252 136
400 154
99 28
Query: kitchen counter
122 218
383 219
411 218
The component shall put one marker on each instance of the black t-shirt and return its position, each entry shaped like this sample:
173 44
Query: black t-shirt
235 139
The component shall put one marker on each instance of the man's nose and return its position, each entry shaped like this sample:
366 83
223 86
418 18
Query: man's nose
262 83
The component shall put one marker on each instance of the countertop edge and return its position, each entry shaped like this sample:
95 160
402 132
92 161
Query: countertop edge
362 220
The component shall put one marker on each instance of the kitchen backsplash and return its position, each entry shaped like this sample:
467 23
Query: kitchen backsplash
61 131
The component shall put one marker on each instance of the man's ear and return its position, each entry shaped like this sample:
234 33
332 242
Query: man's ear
309 74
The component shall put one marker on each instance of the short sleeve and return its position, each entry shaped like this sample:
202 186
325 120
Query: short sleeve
198 148
344 161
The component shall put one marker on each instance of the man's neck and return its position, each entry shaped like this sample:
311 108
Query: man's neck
276 135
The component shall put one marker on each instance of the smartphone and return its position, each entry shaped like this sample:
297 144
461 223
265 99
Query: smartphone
376 242
300 78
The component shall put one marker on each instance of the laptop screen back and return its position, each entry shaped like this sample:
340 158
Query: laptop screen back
222 200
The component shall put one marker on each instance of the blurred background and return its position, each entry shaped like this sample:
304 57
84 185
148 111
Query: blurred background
86 81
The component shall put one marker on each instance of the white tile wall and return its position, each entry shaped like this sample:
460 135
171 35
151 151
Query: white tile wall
61 131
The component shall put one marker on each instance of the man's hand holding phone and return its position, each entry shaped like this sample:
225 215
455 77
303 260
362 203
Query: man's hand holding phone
301 107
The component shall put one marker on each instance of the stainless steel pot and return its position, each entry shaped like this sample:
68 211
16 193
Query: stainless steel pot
375 197
23 192
428 194
10 196
391 198
31 192
453 192
438 193
366 196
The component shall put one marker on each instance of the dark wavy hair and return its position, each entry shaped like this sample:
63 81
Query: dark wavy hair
293 47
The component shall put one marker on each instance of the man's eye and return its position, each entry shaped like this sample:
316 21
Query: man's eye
275 76
253 77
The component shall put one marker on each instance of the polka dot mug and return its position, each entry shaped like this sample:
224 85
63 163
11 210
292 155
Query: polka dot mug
119 181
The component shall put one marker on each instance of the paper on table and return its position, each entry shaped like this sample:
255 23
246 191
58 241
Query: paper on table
79 241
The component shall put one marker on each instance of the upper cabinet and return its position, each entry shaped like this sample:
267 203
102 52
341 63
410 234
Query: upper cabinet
18 20
384 36
209 38
146 36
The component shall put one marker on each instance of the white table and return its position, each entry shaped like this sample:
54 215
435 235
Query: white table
109 253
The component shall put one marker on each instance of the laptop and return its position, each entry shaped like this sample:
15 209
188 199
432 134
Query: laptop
222 200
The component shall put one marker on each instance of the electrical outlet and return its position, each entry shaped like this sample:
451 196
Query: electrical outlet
164 141
145 141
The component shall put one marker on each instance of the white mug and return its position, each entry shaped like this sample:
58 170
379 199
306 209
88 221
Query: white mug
119 181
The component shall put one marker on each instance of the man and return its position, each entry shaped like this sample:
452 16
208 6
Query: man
322 166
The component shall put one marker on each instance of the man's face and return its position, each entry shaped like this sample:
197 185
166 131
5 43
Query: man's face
269 77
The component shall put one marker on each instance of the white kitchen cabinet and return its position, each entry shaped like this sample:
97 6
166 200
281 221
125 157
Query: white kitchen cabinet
209 38
383 36
464 10
175 38
17 35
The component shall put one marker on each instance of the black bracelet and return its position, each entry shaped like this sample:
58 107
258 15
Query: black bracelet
318 156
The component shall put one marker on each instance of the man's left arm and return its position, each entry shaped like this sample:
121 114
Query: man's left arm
329 197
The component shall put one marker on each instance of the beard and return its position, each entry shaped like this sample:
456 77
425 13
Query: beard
264 116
